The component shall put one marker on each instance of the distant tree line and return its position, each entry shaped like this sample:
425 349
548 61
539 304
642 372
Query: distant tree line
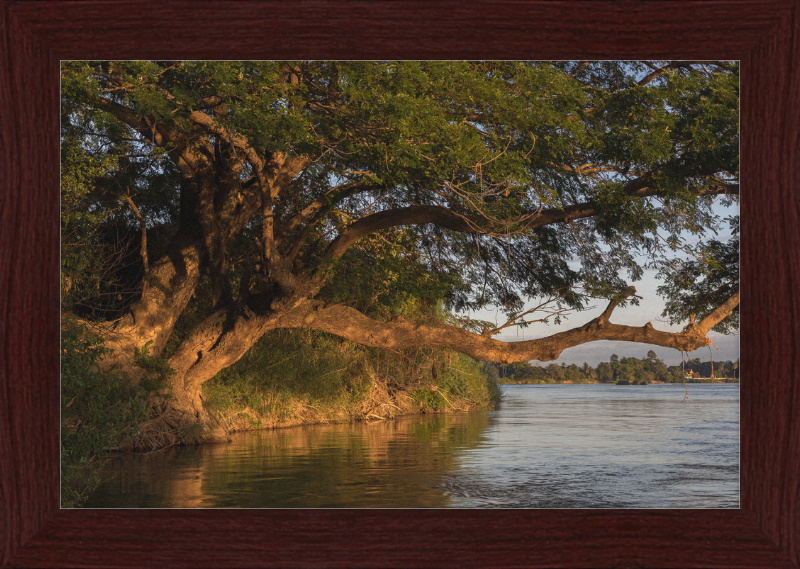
623 371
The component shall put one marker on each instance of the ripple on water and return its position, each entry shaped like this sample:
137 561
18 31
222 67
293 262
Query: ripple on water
557 446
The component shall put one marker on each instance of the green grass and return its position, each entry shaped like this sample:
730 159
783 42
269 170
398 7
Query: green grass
295 377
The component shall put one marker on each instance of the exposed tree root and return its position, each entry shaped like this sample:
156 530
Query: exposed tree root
166 427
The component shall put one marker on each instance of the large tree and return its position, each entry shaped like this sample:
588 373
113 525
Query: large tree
532 186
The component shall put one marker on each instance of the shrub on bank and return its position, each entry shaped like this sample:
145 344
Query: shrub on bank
94 412
99 411
293 377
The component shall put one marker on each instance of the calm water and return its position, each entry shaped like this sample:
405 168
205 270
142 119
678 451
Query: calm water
547 446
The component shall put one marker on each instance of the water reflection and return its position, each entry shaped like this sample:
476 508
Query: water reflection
383 464
557 446
605 446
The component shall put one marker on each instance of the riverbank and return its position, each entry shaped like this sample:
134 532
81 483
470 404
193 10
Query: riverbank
623 371
289 378
595 446
623 382
299 377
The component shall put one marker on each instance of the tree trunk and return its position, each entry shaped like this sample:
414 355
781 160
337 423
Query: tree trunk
166 291
213 345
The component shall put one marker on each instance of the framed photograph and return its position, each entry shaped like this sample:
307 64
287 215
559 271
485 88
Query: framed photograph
40 35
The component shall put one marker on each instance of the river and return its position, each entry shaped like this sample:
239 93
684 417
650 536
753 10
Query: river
546 446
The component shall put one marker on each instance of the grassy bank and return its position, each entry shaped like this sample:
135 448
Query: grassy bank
294 377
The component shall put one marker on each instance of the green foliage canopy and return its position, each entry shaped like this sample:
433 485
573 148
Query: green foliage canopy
557 176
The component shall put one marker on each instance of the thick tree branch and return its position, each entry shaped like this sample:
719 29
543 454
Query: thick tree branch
448 219
188 160
206 216
675 65
719 314
658 71
350 324
143 227
315 210
416 215
235 139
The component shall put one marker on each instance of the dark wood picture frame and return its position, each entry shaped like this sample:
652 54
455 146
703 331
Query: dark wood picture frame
36 35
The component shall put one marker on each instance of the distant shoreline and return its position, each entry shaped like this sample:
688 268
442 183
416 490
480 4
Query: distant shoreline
700 380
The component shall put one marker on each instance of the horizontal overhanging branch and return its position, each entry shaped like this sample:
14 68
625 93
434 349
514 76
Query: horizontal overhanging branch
352 325
473 223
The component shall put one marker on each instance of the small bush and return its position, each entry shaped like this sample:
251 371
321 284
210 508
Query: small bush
429 399
299 376
99 411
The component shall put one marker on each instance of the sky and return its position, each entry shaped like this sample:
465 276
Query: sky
649 309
